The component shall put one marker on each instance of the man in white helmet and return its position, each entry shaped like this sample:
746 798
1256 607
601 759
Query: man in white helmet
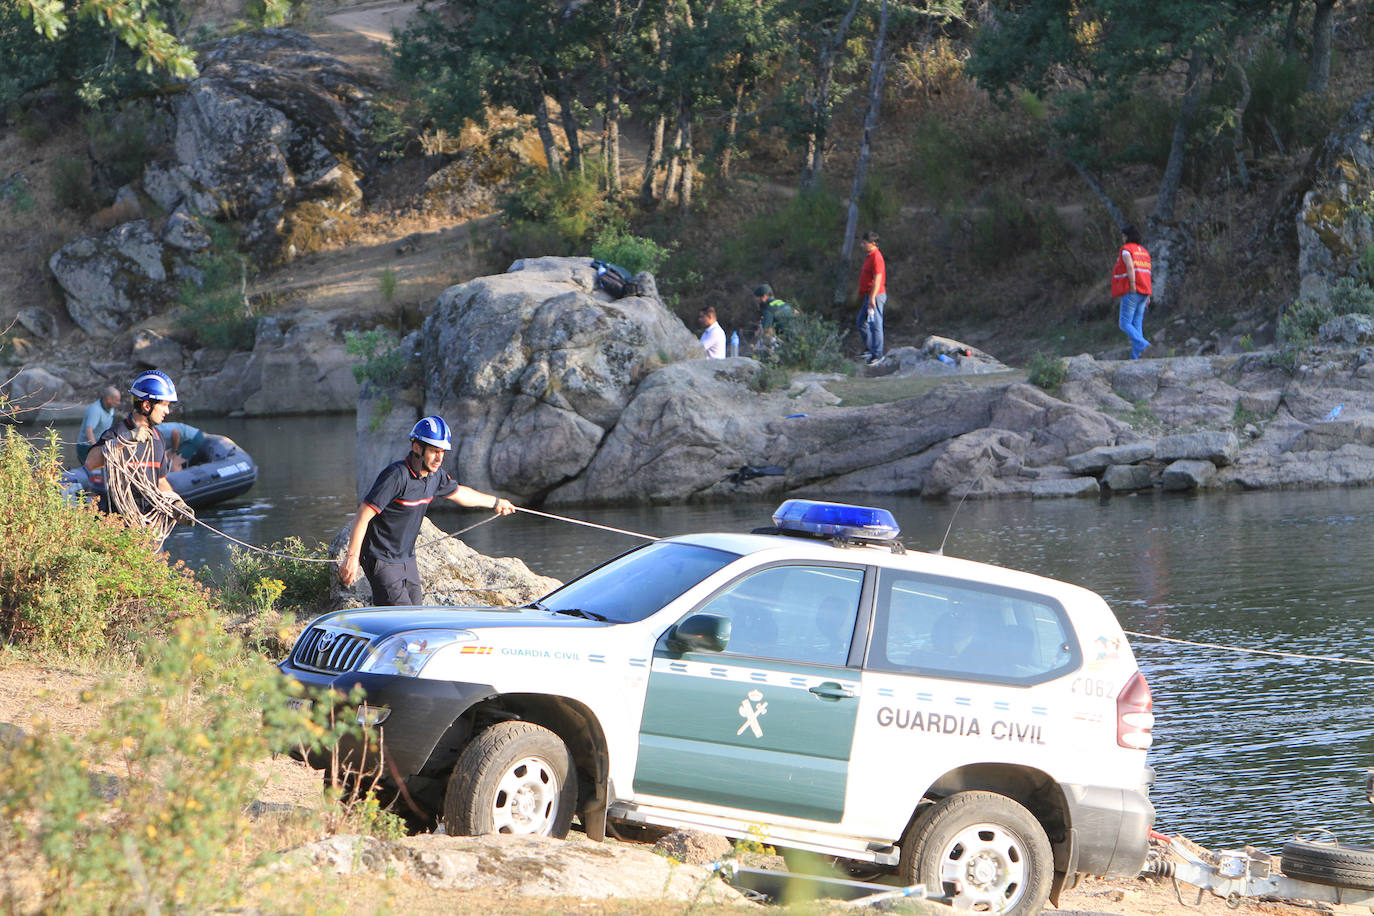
382 543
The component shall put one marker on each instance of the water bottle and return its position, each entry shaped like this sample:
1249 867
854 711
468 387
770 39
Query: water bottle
734 343
945 359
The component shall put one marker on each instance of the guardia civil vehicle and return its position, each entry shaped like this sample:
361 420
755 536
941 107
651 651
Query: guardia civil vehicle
978 730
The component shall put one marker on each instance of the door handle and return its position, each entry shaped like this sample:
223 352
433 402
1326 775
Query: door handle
830 690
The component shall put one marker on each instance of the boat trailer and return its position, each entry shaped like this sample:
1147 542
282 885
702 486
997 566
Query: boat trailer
1241 874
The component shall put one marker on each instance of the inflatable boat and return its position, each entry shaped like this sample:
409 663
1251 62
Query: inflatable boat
219 471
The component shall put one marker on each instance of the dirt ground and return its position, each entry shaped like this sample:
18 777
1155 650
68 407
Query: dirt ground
30 693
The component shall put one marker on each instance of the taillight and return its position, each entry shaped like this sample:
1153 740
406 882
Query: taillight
1134 718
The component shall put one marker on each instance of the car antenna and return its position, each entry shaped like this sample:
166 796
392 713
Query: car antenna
940 551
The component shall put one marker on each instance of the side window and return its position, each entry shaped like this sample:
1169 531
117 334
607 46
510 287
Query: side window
795 613
950 628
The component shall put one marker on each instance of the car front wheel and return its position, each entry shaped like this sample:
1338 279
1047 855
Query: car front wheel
514 777
983 850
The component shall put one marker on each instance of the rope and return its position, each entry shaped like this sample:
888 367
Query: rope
1212 645
576 521
126 484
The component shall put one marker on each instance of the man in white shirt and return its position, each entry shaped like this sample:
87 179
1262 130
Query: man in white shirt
713 338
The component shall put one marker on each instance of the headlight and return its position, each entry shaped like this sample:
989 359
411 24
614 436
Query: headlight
407 653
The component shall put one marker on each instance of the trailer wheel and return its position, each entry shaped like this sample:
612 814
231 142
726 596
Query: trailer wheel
1329 864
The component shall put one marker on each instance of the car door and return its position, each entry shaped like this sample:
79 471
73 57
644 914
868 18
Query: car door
766 724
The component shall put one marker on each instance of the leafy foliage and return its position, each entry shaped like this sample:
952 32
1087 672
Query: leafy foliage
1046 372
812 344
635 253
383 363
72 580
216 312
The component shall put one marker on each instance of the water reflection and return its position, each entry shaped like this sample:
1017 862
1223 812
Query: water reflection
1248 748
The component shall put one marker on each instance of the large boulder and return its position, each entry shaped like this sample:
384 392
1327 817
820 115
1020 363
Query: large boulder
299 364
1334 229
271 124
114 279
533 367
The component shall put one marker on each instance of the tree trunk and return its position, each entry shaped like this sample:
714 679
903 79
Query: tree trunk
611 141
541 122
1320 73
731 129
818 106
567 112
1095 186
1290 29
651 162
684 132
1173 170
1238 137
674 157
875 98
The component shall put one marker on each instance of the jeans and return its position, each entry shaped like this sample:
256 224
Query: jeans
871 326
1133 320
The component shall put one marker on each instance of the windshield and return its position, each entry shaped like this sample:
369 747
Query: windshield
639 583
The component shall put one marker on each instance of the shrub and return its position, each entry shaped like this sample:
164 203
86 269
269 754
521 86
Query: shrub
72 580
71 184
812 344
383 362
802 234
1301 320
155 838
386 285
122 142
940 166
1005 225
216 313
567 207
635 253
1351 297
1046 372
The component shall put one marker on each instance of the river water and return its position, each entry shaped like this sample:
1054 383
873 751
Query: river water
1248 748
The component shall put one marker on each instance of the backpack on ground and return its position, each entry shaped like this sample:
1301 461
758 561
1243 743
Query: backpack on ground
615 280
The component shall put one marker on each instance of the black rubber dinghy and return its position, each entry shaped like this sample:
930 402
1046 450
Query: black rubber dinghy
219 471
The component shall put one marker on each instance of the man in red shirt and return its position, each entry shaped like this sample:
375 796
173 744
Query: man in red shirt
872 297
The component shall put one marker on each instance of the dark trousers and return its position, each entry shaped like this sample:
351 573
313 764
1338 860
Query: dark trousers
394 582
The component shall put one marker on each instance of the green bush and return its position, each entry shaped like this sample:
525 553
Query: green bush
940 167
71 184
1351 297
71 580
215 311
1046 372
802 234
158 836
1003 226
812 344
635 253
383 363
561 210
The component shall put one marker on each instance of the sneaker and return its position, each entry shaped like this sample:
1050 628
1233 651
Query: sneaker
874 360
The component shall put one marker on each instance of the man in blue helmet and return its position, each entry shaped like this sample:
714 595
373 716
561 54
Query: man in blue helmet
382 543
137 441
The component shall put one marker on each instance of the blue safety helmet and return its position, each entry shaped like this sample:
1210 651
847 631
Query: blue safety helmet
154 385
432 431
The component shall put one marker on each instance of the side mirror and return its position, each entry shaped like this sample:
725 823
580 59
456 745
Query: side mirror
701 632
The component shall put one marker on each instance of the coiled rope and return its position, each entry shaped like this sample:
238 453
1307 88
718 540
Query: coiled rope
128 490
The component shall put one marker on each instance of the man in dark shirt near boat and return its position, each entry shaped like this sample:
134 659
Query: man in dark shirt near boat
382 543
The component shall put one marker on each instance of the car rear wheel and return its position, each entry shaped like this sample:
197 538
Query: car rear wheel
983 850
514 777
1329 864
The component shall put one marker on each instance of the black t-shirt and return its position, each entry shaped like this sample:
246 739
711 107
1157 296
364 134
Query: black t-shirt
401 497
150 457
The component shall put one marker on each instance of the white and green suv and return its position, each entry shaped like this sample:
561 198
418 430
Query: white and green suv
982 731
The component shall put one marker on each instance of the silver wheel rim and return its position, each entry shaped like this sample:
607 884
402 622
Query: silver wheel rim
984 866
526 799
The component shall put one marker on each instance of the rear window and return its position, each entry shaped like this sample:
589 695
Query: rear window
968 630
639 583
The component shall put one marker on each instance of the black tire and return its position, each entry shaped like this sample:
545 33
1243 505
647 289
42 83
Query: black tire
514 777
982 849
1329 864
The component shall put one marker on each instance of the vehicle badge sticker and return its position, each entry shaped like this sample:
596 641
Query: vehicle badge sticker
751 708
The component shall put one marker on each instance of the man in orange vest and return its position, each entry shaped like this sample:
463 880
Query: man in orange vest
1131 281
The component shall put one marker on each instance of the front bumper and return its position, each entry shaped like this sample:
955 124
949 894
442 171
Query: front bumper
420 712
1109 829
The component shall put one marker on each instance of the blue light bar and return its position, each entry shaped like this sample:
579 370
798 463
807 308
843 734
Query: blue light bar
815 517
